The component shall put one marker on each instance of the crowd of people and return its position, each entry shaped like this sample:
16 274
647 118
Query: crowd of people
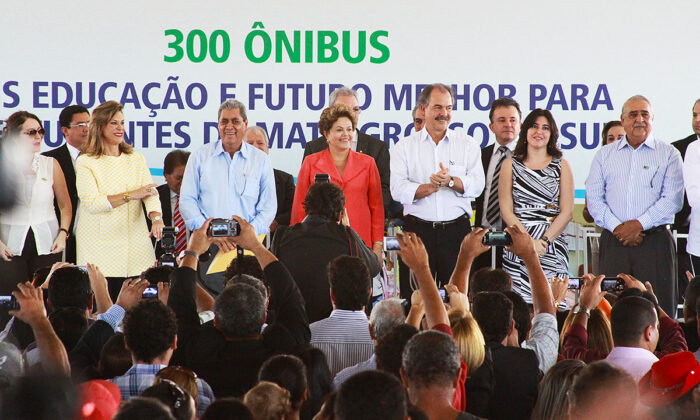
103 325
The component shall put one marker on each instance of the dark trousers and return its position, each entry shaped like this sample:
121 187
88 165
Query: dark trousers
21 268
70 250
484 260
114 286
694 265
653 261
442 246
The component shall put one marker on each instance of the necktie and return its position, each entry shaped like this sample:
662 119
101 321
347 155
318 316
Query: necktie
493 211
179 223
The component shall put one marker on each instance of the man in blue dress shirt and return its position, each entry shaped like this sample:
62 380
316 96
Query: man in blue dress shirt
634 189
229 177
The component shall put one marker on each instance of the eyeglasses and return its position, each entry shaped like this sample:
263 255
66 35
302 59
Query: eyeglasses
33 133
79 125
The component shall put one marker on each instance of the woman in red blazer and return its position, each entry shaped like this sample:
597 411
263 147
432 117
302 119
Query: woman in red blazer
354 172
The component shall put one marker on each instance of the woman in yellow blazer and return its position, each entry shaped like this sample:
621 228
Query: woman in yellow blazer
112 181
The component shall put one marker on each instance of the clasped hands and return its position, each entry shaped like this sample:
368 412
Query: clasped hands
629 233
440 178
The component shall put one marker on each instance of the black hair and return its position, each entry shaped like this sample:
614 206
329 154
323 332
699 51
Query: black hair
239 310
504 102
629 318
248 265
288 372
371 395
39 397
174 159
173 396
115 359
69 287
325 199
594 381
156 275
608 125
521 315
66 115
520 151
692 291
350 282
389 349
489 279
431 358
149 329
318 378
493 312
69 324
227 409
139 408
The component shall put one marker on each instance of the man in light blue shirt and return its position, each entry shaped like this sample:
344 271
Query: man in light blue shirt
229 177
634 190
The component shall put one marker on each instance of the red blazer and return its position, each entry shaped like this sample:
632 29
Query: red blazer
360 184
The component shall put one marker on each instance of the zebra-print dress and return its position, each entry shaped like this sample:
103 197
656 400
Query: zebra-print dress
536 204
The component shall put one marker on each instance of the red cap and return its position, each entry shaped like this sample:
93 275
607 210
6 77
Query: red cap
99 400
669 379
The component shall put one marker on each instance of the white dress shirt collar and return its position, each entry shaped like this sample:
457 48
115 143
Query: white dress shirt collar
650 142
73 152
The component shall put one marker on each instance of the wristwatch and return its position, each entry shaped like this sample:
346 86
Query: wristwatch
126 197
451 183
157 218
580 309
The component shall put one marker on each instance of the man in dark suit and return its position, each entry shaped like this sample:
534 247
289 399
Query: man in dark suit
505 119
682 219
362 143
169 194
284 182
74 122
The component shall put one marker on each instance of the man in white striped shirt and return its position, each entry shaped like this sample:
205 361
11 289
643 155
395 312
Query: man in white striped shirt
344 336
634 189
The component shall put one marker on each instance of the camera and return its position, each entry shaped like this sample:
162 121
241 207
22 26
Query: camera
497 239
391 244
444 296
9 303
610 284
321 178
167 243
223 228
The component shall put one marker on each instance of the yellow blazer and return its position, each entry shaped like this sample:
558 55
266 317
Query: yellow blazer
115 239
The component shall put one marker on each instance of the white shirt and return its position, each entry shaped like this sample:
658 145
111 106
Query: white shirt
416 157
634 360
691 178
73 153
495 157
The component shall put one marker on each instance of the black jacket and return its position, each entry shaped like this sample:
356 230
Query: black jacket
284 187
370 146
231 366
306 249
682 220
62 155
486 154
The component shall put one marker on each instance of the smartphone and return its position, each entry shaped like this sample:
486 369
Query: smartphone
150 292
443 294
391 243
497 239
9 303
610 284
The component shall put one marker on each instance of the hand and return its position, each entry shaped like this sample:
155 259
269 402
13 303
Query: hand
31 304
440 178
631 282
344 219
523 245
591 295
472 245
559 287
273 226
163 292
97 279
378 249
629 233
458 300
59 244
131 292
540 247
144 192
199 240
247 238
417 300
5 252
412 251
157 229
689 275
54 267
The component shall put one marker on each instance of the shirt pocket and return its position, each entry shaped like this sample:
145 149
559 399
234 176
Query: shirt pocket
458 170
649 176
249 186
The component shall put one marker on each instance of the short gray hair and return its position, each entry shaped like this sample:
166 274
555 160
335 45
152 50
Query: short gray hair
341 91
430 358
386 315
239 310
233 104
413 113
636 98
259 130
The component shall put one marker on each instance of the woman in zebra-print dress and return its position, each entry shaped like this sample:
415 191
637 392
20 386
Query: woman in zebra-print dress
536 191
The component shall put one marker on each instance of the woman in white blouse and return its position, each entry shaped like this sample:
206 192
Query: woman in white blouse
30 234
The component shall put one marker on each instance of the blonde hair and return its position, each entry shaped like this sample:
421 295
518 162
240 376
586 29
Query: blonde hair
469 338
268 401
599 332
101 116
